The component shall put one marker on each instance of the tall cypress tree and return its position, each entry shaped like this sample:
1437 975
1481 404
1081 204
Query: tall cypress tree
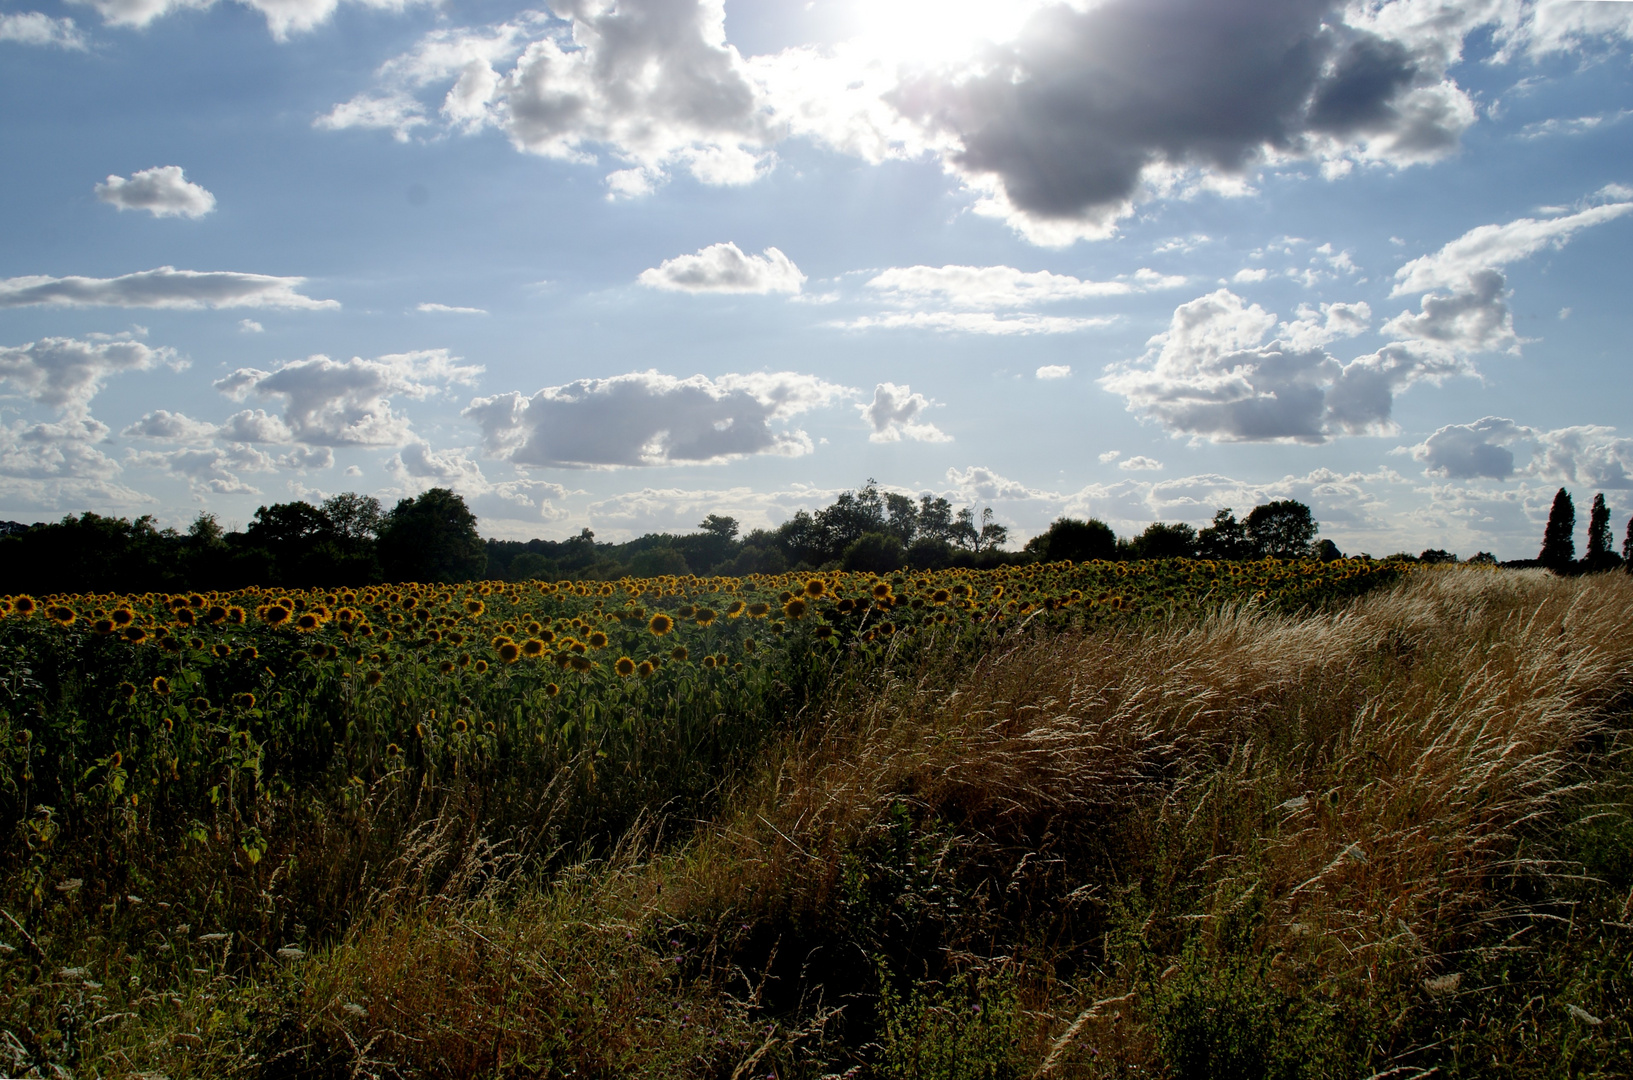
1627 548
1559 539
1600 555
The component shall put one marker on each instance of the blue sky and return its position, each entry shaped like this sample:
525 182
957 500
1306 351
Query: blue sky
622 263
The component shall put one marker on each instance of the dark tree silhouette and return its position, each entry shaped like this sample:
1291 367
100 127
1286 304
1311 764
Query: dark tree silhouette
1226 538
1559 539
1282 529
1601 556
432 538
1079 541
1161 540
1627 548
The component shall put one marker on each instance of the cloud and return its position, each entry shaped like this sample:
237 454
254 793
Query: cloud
162 191
208 470
1054 371
992 287
165 426
37 28
283 16
646 418
1140 463
250 326
66 373
650 84
975 322
1211 376
1093 108
1454 267
1108 456
1590 455
165 287
347 403
894 415
1247 276
57 467
723 268
1572 126
418 467
256 426
444 309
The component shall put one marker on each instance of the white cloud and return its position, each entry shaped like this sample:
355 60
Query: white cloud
651 84
1108 456
208 470
1453 268
256 426
445 309
165 287
1573 126
283 16
1140 463
66 373
724 268
978 483
165 426
250 326
418 467
37 28
975 322
339 403
1054 371
1244 276
1211 376
894 414
57 467
646 418
992 287
162 191
1588 455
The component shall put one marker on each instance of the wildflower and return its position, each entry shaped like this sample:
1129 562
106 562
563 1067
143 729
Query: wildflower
815 588
661 624
24 605
460 726
392 750
510 652
126 690
736 609
533 648
481 666
645 668
474 607
624 666
135 635
598 640
249 652
881 590
758 610
552 689
61 615
102 627
273 614
161 686
704 616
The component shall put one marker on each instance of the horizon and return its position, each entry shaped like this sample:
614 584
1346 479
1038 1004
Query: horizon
622 265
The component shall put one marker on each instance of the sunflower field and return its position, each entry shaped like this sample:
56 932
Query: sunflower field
196 701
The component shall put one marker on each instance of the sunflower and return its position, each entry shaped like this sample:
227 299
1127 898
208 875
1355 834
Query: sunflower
273 614
748 645
245 700
678 653
645 668
582 664
122 616
661 624
510 652
374 678
815 588
708 662
161 686
24 605
474 607
795 608
499 640
940 596
735 609
460 726
624 666
221 650
102 627
598 640
126 690
446 667
61 614
393 750
135 635
881 590
758 610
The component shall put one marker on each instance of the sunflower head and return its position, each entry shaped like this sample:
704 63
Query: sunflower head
625 666
122 616
881 590
221 650
481 666
758 610
510 652
703 616
460 726
708 662
552 689
645 668
135 635
446 667
374 678
678 653
274 614
815 588
598 640
161 686
735 609
24 605
661 624
795 608
474 607
102 627
244 701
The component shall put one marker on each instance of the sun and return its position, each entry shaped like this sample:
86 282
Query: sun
935 32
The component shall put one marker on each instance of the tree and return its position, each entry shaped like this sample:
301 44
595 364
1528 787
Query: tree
356 519
1282 529
1627 548
1163 541
432 538
1327 551
1558 538
723 527
875 553
901 517
1226 538
1077 540
1601 556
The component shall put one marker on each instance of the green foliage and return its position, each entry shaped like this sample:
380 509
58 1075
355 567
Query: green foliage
965 1030
1559 537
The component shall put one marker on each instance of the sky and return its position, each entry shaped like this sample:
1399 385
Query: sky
620 264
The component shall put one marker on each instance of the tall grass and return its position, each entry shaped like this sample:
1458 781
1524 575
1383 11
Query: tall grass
1390 839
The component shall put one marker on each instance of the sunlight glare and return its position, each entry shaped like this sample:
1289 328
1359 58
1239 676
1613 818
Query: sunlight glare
940 31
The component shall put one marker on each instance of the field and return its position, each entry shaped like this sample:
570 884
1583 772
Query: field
1172 818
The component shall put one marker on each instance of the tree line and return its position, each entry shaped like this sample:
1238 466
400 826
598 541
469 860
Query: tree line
352 539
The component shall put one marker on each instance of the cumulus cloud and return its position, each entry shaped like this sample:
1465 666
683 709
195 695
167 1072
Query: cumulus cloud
1140 463
993 287
37 28
348 403
58 467
647 418
1054 371
723 268
417 467
66 373
895 414
256 426
283 16
162 191
1590 455
165 287
163 425
250 326
208 470
652 84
